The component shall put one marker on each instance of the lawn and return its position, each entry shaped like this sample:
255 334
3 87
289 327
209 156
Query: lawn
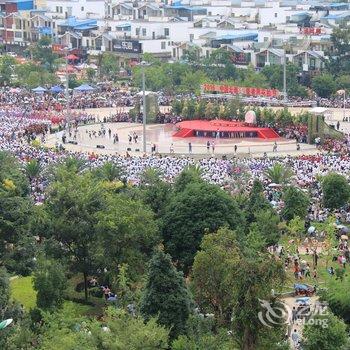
23 292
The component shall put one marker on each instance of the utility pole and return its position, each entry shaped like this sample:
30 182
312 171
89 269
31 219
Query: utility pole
144 113
285 97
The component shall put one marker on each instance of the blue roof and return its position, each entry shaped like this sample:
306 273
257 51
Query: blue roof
188 8
123 25
339 4
84 27
74 23
237 36
45 30
337 16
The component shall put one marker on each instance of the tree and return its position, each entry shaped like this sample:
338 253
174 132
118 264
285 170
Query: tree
256 201
336 191
279 174
50 282
324 85
42 52
213 276
90 74
109 65
185 221
339 57
71 205
258 273
325 332
127 233
296 203
33 169
109 172
7 66
165 294
266 223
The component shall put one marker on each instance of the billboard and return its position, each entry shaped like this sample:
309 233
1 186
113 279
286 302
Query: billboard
239 90
127 46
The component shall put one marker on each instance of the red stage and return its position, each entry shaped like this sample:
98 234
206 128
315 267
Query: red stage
222 129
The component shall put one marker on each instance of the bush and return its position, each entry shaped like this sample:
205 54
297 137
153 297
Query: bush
336 191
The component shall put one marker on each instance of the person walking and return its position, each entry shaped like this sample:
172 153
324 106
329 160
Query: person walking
213 146
208 146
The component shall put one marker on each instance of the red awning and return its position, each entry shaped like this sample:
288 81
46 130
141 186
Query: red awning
72 57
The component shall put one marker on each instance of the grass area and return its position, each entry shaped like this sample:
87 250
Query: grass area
23 292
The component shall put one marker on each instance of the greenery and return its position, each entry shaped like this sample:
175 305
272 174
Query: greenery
336 191
187 263
22 291
165 294
296 203
50 282
325 332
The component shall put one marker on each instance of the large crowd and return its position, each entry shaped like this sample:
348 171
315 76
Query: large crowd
18 130
26 116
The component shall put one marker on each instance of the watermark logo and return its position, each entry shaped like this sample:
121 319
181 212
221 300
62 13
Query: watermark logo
279 313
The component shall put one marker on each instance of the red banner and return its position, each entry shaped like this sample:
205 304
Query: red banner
240 90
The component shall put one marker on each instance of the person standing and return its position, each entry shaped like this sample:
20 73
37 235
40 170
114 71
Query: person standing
208 146
295 338
190 148
213 146
275 147
172 148
236 148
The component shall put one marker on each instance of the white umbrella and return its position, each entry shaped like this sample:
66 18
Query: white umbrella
311 229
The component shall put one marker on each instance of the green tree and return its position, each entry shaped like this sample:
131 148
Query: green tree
256 201
109 65
71 205
127 233
339 58
296 203
90 74
279 174
324 85
7 67
109 172
42 52
33 169
50 283
325 332
185 221
266 223
336 191
213 276
165 294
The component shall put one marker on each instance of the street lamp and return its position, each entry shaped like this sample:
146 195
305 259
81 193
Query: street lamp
285 97
343 92
144 113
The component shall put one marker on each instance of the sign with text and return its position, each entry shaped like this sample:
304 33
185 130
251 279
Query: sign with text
131 46
240 90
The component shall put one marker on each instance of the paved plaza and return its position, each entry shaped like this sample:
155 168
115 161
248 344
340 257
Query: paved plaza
162 137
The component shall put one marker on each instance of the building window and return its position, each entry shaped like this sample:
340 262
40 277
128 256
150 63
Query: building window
144 32
191 37
166 31
18 35
87 43
275 14
57 9
82 8
162 45
137 31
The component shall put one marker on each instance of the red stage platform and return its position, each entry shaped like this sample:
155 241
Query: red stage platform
226 129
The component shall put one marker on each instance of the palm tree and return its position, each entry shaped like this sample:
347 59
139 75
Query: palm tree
279 174
33 169
110 172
